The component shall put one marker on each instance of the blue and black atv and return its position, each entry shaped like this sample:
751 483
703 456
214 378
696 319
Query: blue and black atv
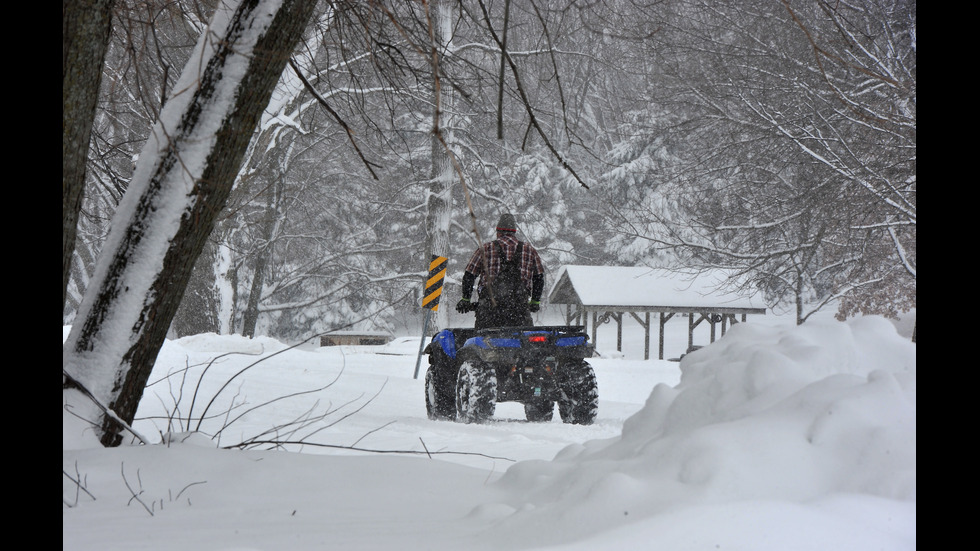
470 370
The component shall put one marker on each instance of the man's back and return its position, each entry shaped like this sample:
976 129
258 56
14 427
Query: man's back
510 272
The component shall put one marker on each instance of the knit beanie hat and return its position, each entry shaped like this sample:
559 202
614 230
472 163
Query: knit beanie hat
507 223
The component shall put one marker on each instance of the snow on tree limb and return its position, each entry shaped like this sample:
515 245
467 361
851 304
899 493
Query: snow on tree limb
181 182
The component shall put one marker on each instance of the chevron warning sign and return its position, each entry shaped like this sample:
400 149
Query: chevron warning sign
433 285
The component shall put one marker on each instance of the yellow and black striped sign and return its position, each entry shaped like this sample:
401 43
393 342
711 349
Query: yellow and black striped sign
433 285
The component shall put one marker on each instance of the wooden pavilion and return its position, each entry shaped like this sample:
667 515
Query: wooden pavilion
607 293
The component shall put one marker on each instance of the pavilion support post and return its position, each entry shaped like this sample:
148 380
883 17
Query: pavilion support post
690 330
691 324
646 337
646 333
598 320
618 316
595 323
664 316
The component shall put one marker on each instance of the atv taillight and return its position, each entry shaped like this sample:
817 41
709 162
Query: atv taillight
538 338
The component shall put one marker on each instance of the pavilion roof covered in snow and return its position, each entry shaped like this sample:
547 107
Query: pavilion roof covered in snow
607 292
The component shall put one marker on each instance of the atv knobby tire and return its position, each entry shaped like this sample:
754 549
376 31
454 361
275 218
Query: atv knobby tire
578 401
476 392
439 395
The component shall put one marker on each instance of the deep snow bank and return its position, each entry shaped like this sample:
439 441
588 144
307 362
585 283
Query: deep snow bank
803 414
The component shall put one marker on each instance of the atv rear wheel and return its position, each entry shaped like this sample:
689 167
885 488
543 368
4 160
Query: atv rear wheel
439 399
578 401
476 392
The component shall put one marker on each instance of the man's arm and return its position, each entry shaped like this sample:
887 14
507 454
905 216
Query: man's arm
468 280
464 305
537 287
537 280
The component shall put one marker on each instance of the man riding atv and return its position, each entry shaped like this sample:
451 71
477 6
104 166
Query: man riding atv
511 280
505 358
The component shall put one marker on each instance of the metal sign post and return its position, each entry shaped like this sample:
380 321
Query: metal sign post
430 300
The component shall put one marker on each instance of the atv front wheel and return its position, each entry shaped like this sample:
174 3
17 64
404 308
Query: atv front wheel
476 392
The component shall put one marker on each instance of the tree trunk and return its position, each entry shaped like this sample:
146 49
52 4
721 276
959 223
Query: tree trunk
274 183
181 183
439 206
799 297
263 256
250 317
199 310
85 30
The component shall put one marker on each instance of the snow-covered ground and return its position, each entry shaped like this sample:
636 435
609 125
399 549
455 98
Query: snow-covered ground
773 438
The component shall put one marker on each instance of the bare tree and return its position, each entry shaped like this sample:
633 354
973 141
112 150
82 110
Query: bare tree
416 107
200 309
181 183
351 229
150 41
85 30
797 151
439 205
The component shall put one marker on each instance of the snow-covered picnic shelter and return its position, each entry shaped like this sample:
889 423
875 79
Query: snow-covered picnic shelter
606 293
